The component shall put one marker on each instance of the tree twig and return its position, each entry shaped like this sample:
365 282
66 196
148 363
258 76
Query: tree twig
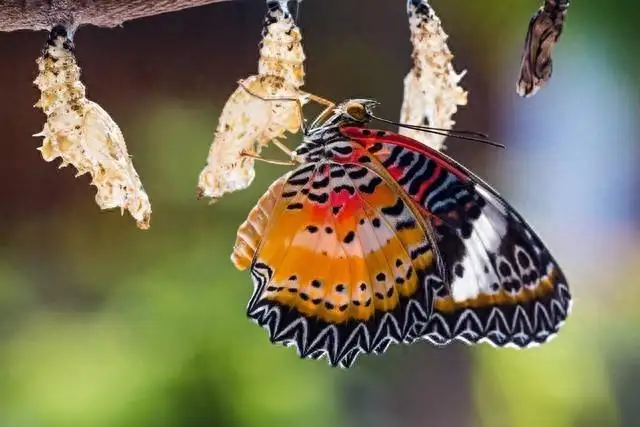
44 14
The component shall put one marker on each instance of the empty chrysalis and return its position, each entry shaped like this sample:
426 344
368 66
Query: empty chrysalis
543 33
431 91
248 123
82 134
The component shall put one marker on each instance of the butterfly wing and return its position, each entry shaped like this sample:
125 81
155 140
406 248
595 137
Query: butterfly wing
338 257
505 288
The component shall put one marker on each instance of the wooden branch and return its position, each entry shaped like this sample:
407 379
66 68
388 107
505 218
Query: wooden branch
44 14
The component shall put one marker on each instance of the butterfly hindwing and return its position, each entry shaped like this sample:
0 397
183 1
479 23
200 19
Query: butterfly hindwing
338 259
502 285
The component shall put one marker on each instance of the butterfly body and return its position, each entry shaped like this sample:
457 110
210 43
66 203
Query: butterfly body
376 239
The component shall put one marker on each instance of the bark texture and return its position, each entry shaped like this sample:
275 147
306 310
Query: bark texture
44 14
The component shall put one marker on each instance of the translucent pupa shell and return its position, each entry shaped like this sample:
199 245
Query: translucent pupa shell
82 134
431 91
248 123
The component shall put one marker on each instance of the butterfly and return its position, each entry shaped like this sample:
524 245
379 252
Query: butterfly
377 239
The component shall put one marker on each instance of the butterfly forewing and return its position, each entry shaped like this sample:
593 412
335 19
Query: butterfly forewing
505 288
339 260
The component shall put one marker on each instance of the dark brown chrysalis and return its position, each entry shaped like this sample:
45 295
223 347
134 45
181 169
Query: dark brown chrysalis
544 31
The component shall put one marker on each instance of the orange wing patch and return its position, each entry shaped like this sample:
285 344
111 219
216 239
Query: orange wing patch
341 266
250 232
338 260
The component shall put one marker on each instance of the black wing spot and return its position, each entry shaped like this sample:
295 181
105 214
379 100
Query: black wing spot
370 187
349 237
329 306
409 273
312 229
381 277
316 283
474 211
338 173
299 181
420 250
405 224
523 260
466 229
505 269
406 159
294 206
346 149
359 173
375 148
319 198
316 185
458 270
348 188
394 210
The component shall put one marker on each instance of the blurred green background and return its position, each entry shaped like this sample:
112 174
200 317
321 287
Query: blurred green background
105 325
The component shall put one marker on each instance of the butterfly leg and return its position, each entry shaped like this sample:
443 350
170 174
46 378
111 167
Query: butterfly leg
278 98
329 106
317 99
289 152
255 156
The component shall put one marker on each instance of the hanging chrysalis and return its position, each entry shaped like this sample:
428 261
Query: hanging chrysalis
431 91
544 31
248 123
82 134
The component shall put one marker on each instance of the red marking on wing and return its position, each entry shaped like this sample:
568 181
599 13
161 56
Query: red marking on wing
356 134
350 204
426 184
395 172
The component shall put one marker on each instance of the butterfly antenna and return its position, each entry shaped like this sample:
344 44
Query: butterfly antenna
460 134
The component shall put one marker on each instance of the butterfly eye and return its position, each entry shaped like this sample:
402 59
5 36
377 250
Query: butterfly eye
357 111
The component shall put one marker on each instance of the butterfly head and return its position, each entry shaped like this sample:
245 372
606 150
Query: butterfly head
324 133
352 112
357 110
